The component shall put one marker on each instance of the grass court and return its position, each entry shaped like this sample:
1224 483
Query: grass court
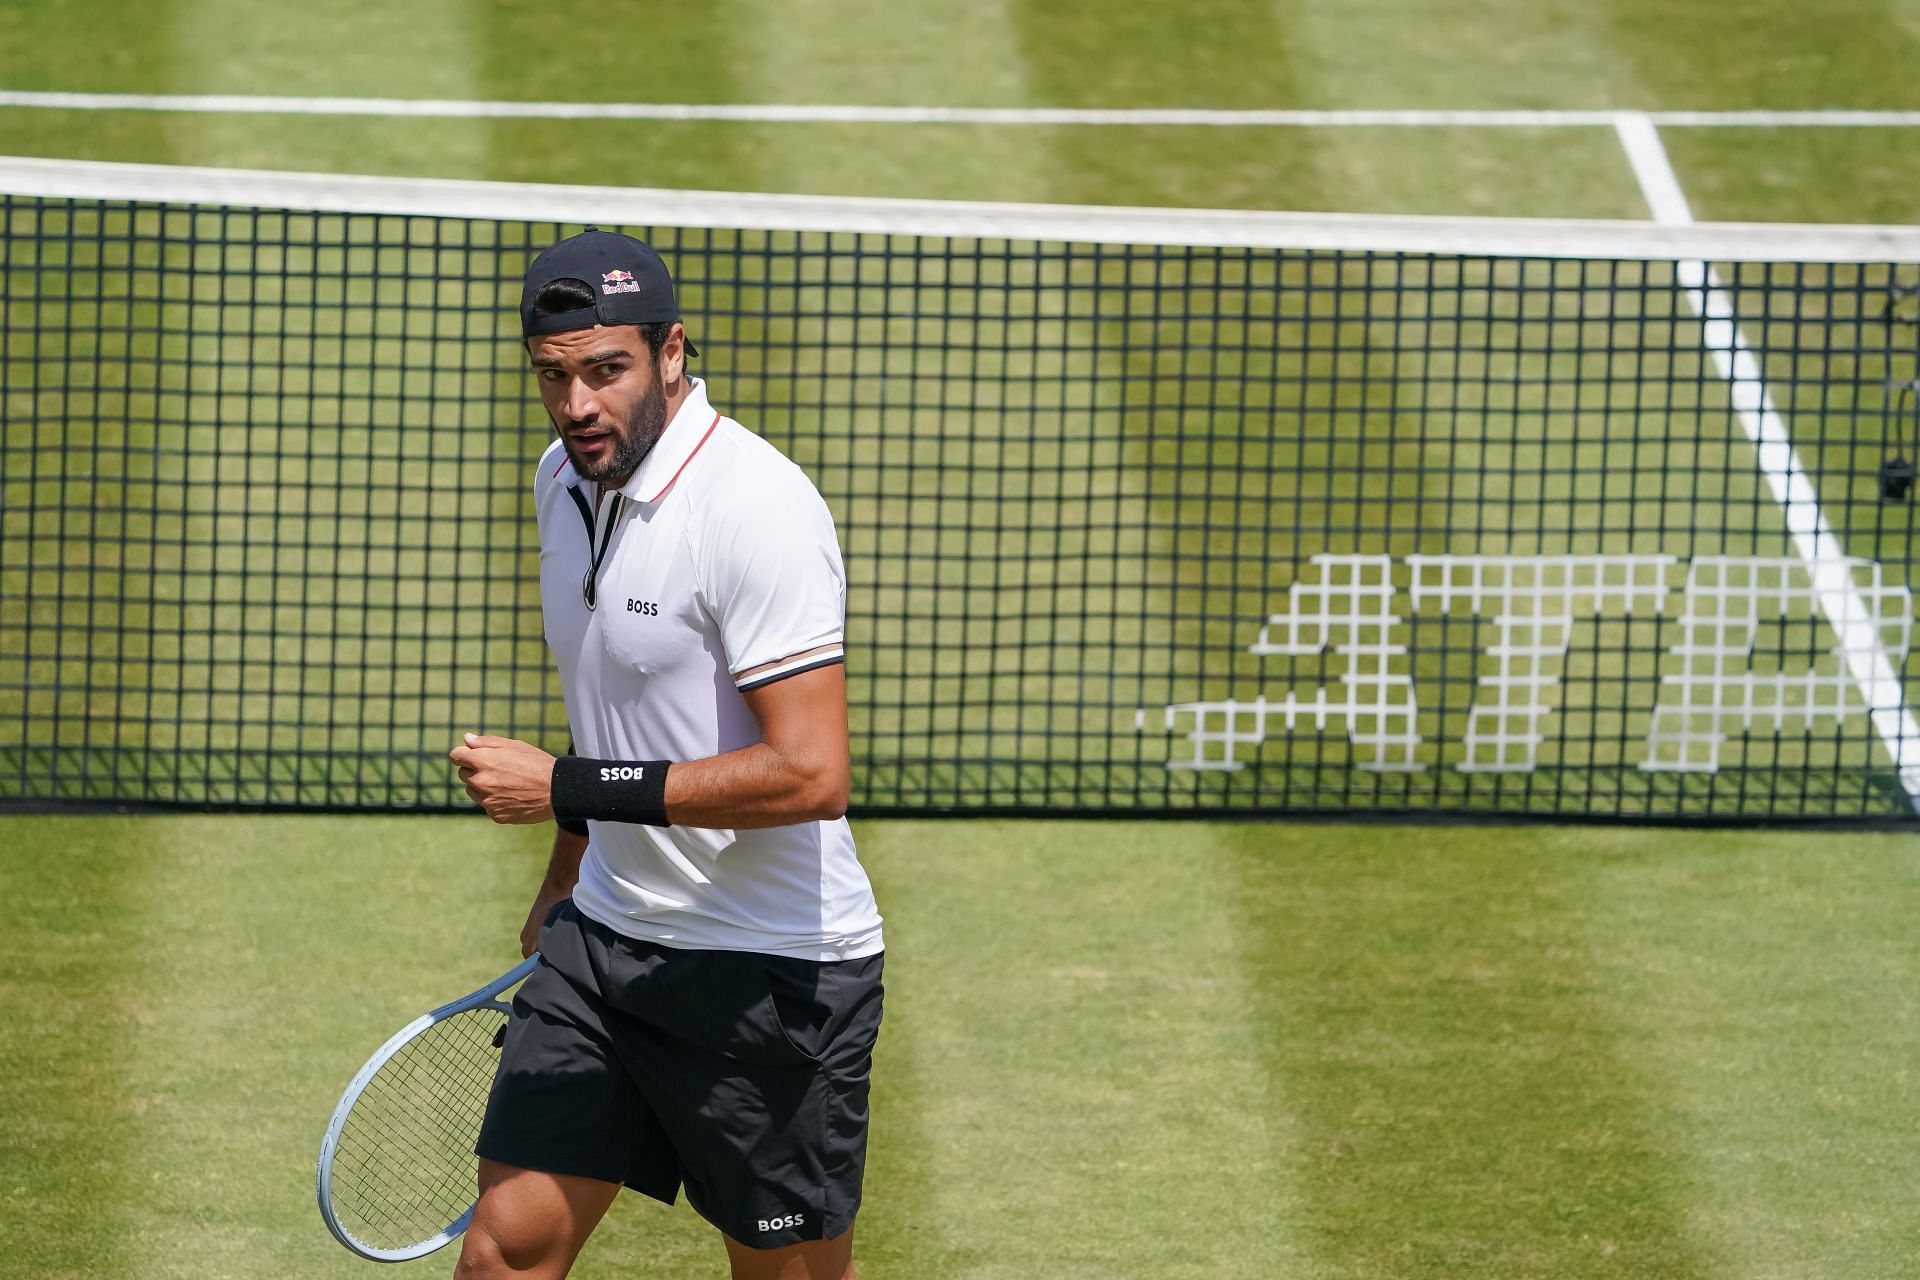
1335 1051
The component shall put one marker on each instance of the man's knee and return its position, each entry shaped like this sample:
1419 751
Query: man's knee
481 1255
494 1249
529 1224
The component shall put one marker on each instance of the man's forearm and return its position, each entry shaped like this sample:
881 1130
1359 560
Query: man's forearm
563 871
800 771
563 864
756 786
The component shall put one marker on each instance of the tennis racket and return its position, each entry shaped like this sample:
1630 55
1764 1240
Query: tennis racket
397 1171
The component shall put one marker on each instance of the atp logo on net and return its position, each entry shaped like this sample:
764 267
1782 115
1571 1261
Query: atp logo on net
1708 686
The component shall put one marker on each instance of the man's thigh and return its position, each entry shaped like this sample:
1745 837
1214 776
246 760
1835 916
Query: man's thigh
810 1260
743 1077
562 1101
764 1089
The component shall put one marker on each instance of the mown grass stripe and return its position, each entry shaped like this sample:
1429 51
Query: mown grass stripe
1437 1020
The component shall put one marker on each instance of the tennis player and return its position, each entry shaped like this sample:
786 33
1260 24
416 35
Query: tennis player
708 997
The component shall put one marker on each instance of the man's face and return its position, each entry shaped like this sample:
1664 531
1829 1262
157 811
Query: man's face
605 396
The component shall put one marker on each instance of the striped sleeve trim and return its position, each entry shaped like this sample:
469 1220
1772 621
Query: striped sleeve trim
810 662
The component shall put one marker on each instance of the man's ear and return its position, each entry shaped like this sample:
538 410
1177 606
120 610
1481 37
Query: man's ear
673 354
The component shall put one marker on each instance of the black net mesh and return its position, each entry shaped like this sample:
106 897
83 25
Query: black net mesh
1128 529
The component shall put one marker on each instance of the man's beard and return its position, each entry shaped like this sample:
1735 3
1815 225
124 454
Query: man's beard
632 440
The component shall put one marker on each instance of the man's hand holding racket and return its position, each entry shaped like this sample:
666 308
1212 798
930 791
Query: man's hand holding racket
511 780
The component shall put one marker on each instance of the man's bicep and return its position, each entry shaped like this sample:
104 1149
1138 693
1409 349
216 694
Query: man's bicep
804 713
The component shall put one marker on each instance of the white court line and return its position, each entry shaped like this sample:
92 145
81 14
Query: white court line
1813 538
803 113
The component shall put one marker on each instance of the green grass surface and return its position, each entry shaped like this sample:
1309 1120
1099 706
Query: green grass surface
1179 1050
1225 53
1111 1050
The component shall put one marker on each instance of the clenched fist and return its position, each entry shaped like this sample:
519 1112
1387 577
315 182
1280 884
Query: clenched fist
510 779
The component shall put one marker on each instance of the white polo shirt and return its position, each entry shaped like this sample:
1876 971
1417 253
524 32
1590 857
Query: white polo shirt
720 556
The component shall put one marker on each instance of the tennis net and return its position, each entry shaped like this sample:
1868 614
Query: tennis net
1144 511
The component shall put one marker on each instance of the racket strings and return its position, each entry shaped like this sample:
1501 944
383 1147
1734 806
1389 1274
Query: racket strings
403 1169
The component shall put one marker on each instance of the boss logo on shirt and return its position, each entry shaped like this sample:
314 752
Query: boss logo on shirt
649 607
781 1224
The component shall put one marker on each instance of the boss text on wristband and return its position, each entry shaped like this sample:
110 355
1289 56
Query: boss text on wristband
610 790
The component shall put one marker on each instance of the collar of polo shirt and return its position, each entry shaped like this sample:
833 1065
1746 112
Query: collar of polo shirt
674 449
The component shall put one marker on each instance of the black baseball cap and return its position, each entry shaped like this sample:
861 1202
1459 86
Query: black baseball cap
629 282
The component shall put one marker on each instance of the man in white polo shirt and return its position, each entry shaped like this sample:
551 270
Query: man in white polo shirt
709 994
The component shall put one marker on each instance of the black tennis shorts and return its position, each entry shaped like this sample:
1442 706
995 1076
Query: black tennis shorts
741 1076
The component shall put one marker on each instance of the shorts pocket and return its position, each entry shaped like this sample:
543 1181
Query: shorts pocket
795 1006
731 1011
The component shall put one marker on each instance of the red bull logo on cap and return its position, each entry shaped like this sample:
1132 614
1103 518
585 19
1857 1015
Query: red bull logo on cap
619 282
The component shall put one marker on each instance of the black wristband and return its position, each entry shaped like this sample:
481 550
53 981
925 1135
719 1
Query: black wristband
610 790
572 826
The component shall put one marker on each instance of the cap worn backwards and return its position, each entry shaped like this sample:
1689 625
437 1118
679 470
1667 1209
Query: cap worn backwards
630 284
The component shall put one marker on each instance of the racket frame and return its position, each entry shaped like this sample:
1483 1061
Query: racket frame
484 998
